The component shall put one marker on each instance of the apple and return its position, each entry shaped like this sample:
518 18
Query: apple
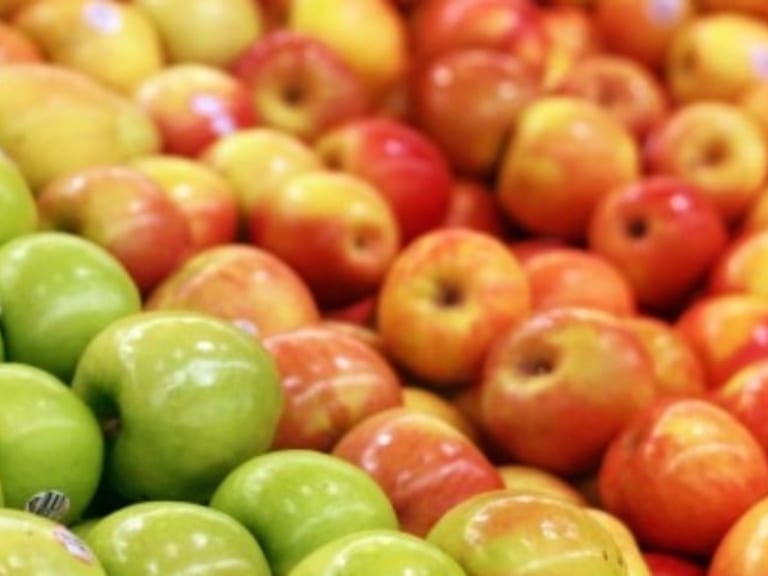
745 396
524 478
35 545
202 194
566 153
246 285
299 84
452 290
742 550
715 56
557 387
753 100
508 532
295 501
378 552
756 217
644 228
334 229
665 564
56 292
18 208
124 211
165 537
16 46
419 398
424 465
739 268
183 398
331 381
405 166
682 458
570 34
715 146
625 540
472 204
193 105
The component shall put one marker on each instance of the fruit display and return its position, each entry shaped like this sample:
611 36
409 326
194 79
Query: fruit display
386 287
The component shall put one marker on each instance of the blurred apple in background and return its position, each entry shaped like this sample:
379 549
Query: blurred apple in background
295 501
571 34
125 212
57 291
298 84
406 167
472 204
740 268
524 478
331 381
565 154
666 564
742 551
745 396
424 465
16 46
248 286
18 207
751 7
754 100
194 105
445 298
183 398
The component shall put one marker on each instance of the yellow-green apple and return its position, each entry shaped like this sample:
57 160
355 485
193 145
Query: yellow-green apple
115 43
193 105
298 84
258 161
752 7
745 396
625 540
191 30
468 100
54 120
378 552
644 229
524 478
716 56
424 465
168 537
250 287
565 154
678 459
18 208
716 146
452 290
508 532
668 564
35 545
558 387
472 204
295 501
331 381
183 398
573 276
124 211
347 27
56 292
431 402
16 46
756 216
754 100
402 163
742 551
334 229
621 85
677 366
50 444
202 194
654 25
740 267
726 331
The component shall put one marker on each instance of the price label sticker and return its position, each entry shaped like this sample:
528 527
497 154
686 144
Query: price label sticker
51 504
665 12
74 545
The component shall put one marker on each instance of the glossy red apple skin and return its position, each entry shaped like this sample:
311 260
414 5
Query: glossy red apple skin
745 396
331 382
423 464
644 228
193 105
124 211
473 205
246 285
298 84
405 166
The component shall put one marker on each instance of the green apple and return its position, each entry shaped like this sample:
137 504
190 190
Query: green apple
18 212
32 546
378 552
57 291
51 447
294 501
183 397
166 538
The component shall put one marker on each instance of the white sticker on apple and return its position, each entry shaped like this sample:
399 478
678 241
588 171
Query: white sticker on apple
73 545
51 504
759 57
665 11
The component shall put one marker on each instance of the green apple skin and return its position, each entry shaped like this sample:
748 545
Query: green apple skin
175 538
294 501
18 210
49 440
34 546
183 397
378 552
57 291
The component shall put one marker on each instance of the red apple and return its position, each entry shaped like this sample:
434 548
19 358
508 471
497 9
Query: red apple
406 167
741 267
422 463
742 551
17 46
472 204
571 34
666 564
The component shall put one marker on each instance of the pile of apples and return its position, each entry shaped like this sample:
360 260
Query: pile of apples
386 287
